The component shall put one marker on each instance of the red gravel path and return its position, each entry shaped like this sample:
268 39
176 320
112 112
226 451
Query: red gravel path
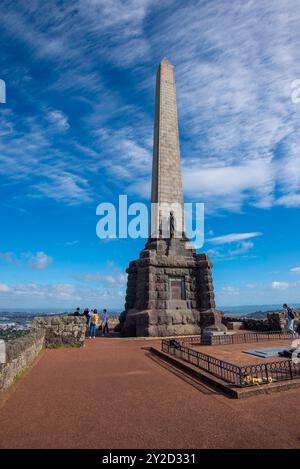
113 394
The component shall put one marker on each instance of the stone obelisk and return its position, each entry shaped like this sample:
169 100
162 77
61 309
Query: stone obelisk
166 170
169 288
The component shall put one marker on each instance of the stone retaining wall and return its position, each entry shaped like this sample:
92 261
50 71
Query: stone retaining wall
278 321
20 353
46 331
61 331
274 322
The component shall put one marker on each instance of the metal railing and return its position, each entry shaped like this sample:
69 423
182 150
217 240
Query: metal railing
270 372
230 339
248 337
250 375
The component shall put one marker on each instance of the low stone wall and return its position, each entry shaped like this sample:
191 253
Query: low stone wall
235 325
20 353
276 321
248 323
61 331
46 331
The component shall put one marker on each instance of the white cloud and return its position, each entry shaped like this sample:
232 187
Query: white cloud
110 279
280 285
295 270
7 256
223 253
240 128
233 237
231 290
39 261
228 186
63 35
289 201
134 155
30 156
234 99
141 188
56 292
252 285
242 248
214 252
65 187
61 295
59 119
64 292
72 243
4 288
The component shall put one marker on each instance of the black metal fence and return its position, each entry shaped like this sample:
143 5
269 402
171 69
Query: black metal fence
248 337
267 373
230 339
251 375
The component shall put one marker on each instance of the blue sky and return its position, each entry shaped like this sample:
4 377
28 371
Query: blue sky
77 129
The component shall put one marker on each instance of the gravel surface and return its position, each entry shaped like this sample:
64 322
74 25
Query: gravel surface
114 394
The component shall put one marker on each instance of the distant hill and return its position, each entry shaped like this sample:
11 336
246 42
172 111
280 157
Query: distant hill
261 314
40 311
254 311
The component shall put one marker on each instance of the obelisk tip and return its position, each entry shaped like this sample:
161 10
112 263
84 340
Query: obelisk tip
165 61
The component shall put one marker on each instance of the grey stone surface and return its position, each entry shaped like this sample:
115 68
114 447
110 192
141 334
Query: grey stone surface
267 352
61 331
20 353
275 321
235 325
166 171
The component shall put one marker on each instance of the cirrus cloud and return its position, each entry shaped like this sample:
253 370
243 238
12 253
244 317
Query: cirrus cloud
280 285
59 119
233 237
295 270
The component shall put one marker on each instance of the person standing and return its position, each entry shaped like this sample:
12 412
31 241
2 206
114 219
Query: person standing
93 323
105 329
77 312
291 316
86 313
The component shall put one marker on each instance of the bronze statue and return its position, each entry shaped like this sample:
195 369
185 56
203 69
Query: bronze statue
172 225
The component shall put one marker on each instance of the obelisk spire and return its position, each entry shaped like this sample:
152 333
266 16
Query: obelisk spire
166 170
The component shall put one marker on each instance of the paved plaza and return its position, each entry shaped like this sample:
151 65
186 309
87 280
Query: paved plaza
114 394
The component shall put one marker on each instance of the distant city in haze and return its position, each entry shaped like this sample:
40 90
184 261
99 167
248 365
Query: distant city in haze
235 310
20 319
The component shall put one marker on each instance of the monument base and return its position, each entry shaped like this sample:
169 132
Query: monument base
169 292
161 323
211 320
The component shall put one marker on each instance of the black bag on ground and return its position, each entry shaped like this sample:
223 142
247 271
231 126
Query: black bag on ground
287 353
174 343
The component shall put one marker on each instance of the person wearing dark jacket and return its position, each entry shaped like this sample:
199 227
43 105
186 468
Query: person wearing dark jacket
290 316
105 320
77 312
86 313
